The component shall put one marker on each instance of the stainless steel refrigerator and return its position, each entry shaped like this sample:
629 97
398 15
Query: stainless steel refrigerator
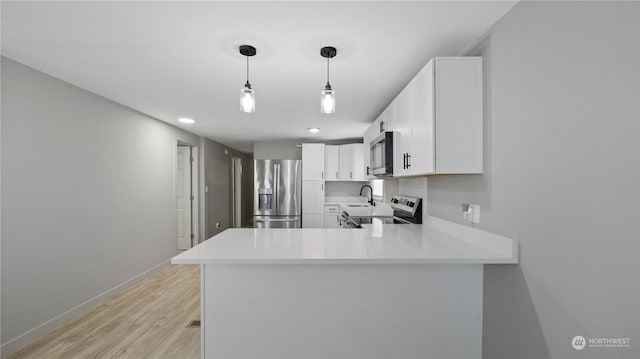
277 191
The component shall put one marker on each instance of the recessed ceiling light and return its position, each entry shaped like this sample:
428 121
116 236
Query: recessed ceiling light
186 120
314 130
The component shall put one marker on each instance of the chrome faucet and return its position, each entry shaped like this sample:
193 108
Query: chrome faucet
371 202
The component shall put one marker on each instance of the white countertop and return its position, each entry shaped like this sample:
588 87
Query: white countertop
366 210
384 243
336 200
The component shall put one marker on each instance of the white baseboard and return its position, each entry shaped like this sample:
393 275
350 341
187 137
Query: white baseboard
13 344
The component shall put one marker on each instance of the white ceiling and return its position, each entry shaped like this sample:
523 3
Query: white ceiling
180 59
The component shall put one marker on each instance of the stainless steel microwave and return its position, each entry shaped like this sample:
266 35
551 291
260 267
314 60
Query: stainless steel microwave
381 152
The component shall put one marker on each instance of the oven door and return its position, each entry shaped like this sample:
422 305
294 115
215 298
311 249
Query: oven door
348 222
381 155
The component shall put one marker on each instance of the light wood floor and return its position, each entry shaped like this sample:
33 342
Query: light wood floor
148 320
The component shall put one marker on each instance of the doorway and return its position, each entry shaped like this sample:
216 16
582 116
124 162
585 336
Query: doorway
186 197
236 175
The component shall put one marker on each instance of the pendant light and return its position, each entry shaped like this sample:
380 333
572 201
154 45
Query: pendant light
328 96
247 94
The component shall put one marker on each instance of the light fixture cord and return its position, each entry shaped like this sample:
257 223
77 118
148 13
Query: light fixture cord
247 69
327 70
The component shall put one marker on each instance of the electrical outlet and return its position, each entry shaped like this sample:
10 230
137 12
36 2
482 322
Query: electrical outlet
471 212
475 213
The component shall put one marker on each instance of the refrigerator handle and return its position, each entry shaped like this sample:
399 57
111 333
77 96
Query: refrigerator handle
277 186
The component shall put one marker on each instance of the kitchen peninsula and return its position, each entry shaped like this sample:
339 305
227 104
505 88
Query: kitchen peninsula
378 292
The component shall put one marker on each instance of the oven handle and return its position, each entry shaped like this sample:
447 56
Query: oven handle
401 220
347 222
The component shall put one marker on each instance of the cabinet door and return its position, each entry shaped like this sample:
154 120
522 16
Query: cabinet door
367 159
422 151
312 197
331 220
313 220
402 127
372 132
313 161
346 163
359 169
458 114
389 118
331 162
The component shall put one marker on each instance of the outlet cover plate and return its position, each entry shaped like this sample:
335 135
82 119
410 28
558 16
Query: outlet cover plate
475 213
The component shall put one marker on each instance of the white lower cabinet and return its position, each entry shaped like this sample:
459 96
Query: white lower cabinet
312 204
331 216
312 220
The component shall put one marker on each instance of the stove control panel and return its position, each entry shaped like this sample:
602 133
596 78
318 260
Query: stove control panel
405 203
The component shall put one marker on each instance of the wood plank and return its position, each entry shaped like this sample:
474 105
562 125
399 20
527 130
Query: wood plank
147 320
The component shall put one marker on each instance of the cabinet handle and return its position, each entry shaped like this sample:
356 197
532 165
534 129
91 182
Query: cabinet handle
408 163
350 174
368 171
322 174
381 126
404 161
337 176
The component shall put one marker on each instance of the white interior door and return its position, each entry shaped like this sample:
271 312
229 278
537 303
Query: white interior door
183 198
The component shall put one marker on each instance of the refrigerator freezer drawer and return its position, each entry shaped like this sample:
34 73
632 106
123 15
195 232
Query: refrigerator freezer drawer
276 222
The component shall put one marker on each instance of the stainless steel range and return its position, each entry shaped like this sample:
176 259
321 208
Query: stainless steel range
406 210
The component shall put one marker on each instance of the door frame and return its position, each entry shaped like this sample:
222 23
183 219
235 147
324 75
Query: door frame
195 191
236 190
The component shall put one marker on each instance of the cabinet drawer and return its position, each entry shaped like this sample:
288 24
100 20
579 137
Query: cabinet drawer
334 208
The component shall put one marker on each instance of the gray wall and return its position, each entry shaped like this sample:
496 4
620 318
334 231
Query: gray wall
277 150
219 196
561 175
287 150
87 198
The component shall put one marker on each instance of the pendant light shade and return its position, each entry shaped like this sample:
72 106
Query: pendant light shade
328 96
247 99
328 101
247 94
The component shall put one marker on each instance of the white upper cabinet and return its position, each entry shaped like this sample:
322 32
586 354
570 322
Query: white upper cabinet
388 119
331 162
421 157
371 134
437 119
402 127
358 171
458 114
345 162
313 161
